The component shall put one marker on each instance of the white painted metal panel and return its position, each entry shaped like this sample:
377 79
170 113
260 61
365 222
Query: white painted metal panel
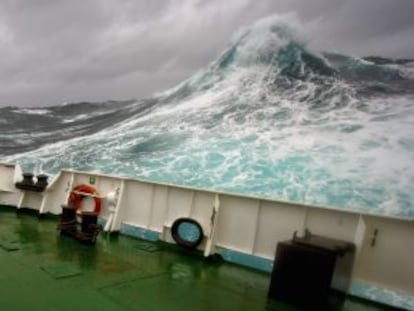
116 217
360 233
159 208
82 178
277 222
335 224
179 204
6 180
55 196
9 198
104 185
388 261
202 209
9 195
32 200
343 269
137 203
237 224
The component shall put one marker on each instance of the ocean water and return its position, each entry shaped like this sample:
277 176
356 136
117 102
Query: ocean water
269 117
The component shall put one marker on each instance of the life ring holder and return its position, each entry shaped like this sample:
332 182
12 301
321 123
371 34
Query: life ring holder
80 192
185 243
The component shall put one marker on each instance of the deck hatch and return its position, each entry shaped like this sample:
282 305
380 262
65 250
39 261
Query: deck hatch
10 246
147 247
60 270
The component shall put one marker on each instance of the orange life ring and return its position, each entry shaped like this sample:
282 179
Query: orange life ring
76 197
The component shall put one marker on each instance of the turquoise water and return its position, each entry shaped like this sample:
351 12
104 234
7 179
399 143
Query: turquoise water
268 118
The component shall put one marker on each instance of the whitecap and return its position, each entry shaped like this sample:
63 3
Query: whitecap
35 111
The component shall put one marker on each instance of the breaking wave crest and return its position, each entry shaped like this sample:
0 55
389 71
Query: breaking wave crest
269 117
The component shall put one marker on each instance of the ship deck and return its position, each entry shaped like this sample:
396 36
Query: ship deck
40 270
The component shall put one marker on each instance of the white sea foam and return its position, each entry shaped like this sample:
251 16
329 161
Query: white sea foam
248 128
77 118
36 111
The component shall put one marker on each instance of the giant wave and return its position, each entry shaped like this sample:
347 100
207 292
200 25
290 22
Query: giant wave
270 117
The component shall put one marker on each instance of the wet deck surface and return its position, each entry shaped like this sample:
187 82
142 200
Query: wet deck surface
40 270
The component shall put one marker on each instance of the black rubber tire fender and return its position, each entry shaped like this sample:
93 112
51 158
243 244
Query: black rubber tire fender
179 240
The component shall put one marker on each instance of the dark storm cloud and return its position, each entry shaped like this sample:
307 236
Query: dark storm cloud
54 51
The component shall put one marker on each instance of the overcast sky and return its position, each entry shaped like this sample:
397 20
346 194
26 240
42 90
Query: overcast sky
55 51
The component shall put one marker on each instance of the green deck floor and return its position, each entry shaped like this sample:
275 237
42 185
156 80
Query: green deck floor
39 270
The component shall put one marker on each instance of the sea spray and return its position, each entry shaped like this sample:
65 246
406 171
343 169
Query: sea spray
269 117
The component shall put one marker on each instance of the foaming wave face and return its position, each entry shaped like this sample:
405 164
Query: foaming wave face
267 118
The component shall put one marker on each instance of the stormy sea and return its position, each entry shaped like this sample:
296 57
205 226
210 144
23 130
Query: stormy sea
270 117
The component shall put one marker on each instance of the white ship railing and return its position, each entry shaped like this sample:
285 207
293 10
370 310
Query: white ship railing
243 229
